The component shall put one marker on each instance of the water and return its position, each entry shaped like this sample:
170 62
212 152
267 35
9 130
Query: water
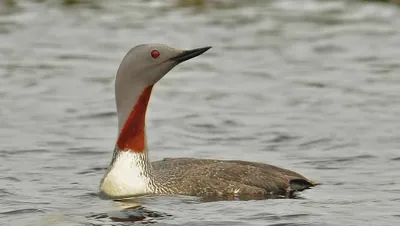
307 85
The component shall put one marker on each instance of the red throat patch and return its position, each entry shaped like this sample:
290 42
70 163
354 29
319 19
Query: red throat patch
132 137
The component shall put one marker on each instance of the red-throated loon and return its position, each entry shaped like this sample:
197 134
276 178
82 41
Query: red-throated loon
132 174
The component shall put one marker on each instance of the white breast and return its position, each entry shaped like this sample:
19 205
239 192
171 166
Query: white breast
127 176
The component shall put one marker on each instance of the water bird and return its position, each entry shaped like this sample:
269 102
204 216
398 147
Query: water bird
131 173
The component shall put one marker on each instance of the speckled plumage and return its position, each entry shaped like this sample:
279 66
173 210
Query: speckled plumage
225 178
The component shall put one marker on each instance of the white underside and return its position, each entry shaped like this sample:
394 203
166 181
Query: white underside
126 177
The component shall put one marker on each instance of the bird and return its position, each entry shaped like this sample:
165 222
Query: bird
131 174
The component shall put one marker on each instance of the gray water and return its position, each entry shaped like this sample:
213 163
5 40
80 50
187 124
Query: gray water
311 85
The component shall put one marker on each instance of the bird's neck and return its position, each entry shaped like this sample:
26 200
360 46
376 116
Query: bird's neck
132 135
129 173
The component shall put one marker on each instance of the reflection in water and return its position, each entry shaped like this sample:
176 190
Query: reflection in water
129 203
131 214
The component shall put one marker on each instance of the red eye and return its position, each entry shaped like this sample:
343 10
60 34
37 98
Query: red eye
155 54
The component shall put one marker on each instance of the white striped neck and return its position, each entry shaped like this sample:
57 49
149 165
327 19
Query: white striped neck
129 174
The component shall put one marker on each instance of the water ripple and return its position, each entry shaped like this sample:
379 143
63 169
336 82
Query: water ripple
21 211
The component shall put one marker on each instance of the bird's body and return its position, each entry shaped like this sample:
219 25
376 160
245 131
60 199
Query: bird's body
211 178
226 178
132 174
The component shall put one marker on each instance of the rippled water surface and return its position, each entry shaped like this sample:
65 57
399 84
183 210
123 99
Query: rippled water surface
311 85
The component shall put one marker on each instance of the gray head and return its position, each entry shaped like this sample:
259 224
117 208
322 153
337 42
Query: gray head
142 67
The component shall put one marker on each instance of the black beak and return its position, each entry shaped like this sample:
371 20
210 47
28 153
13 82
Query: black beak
189 54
